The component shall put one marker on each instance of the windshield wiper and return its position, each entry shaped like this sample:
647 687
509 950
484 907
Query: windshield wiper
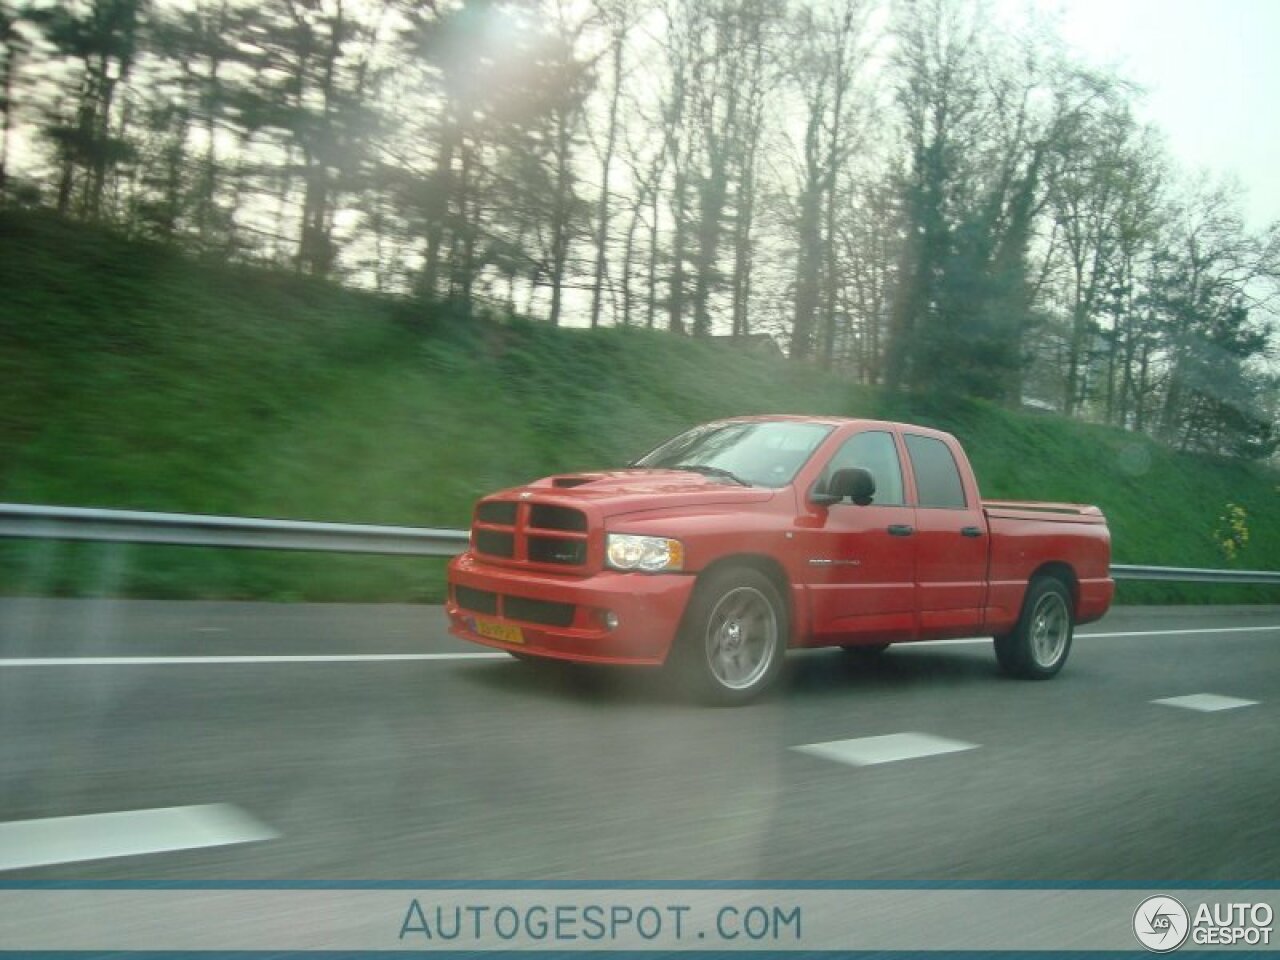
709 471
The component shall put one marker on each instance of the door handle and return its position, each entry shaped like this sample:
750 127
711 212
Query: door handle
971 532
901 530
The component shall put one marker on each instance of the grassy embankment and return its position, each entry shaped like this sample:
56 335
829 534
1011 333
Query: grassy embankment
132 377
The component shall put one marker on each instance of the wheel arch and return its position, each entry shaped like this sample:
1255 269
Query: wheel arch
1065 574
766 565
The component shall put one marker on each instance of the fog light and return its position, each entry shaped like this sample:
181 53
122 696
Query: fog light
610 620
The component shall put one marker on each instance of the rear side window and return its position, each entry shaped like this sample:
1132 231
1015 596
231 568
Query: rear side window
937 476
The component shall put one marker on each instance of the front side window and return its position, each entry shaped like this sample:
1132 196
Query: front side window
876 452
757 453
937 476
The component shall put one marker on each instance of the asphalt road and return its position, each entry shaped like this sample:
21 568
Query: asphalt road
483 768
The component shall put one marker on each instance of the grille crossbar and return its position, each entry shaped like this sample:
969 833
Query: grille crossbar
546 613
545 534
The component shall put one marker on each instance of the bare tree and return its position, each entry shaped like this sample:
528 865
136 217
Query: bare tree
13 44
1214 284
619 17
938 90
103 36
830 48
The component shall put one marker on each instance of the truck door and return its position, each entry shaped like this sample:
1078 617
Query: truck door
860 560
951 542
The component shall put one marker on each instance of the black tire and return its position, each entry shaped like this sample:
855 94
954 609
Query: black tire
733 637
1040 643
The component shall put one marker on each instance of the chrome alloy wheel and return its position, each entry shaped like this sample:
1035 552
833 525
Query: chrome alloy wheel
1050 629
741 638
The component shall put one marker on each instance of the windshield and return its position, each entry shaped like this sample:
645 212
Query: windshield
756 453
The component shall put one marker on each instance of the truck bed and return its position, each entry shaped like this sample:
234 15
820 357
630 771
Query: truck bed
1040 510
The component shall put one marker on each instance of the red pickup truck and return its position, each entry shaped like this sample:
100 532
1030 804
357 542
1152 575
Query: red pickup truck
737 539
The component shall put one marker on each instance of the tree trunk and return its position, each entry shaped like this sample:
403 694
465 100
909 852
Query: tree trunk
465 268
742 261
437 208
101 124
560 216
808 278
711 210
209 166
602 210
313 244
652 306
830 181
628 259
830 273
6 102
675 298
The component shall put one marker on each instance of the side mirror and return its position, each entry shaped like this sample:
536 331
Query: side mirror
853 483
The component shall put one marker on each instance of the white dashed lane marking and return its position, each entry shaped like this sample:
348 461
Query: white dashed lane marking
128 833
868 751
1206 702
126 661
264 659
1122 635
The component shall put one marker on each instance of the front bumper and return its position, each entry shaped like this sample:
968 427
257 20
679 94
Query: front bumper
648 608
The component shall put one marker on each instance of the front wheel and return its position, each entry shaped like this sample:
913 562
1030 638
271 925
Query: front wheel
1038 646
734 636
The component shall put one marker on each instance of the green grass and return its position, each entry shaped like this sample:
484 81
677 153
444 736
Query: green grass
133 377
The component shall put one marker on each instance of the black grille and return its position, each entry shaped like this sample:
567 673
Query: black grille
495 543
497 511
555 550
545 612
545 516
481 601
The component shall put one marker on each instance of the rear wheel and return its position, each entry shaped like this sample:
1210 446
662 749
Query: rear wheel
1039 644
734 636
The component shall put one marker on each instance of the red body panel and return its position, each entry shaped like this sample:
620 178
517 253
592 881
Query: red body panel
849 578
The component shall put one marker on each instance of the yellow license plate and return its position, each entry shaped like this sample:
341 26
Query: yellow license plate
499 631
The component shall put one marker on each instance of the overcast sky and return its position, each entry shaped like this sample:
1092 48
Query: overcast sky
1212 73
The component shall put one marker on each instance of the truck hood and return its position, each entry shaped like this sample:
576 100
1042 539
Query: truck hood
616 492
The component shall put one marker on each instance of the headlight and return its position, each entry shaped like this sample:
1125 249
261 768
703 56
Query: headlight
627 551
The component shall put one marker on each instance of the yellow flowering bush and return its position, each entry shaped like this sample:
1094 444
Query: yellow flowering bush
1232 534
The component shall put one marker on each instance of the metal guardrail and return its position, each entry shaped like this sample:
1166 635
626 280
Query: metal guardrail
1121 571
34 521
198 530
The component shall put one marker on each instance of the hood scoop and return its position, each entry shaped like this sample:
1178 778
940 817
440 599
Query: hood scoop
572 481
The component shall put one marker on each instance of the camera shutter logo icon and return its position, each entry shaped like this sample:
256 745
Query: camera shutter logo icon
1161 924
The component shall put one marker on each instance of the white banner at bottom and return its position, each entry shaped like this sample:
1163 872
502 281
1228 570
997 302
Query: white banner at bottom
380 918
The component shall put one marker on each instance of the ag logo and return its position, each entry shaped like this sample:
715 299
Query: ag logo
1161 924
